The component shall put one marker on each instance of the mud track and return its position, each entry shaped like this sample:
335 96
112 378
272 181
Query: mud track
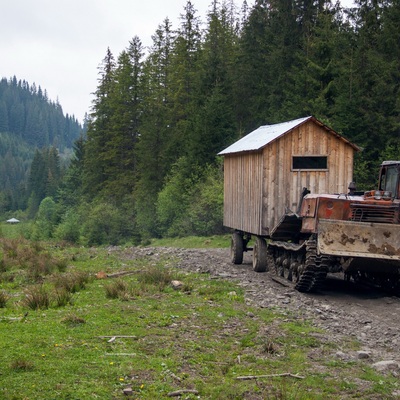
342 309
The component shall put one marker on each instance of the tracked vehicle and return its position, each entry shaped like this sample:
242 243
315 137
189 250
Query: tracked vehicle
303 240
355 234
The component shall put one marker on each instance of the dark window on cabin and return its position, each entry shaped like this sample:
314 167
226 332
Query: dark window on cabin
389 177
316 162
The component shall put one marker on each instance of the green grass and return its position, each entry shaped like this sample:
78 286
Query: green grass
13 231
137 331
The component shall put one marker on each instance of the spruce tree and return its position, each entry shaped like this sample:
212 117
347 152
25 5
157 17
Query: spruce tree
53 172
69 193
319 62
252 76
214 126
122 136
184 81
98 127
156 129
374 105
4 126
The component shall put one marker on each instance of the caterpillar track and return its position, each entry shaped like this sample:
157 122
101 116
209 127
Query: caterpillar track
300 264
387 280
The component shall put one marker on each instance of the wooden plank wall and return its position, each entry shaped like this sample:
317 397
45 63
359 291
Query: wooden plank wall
259 186
243 192
282 186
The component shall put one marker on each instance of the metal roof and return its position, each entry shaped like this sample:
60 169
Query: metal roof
265 134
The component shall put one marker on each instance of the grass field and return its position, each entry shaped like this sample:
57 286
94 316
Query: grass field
84 323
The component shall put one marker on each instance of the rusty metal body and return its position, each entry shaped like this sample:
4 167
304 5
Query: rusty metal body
353 226
355 234
359 239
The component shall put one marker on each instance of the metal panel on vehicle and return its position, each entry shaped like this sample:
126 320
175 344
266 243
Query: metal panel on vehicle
359 239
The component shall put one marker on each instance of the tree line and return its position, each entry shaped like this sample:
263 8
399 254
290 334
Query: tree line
29 120
148 164
28 113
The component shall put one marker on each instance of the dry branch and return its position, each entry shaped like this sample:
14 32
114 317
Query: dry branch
248 377
117 336
180 392
122 273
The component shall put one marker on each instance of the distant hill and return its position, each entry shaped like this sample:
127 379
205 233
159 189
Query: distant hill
28 121
27 113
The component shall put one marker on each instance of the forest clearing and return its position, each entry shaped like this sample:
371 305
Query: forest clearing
159 322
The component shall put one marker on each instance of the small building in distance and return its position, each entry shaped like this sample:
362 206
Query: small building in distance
13 221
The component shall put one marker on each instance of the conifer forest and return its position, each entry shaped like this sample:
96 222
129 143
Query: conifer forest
145 165
30 126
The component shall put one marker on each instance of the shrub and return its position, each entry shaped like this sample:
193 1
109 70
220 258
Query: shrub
45 220
39 266
104 224
61 264
173 200
73 320
205 210
71 282
157 276
117 289
36 298
4 297
2 266
69 228
20 254
62 297
10 249
191 205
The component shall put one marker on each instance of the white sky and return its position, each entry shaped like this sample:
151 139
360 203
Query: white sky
59 44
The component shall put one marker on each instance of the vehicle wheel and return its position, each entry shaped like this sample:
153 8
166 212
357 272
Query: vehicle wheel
237 248
260 255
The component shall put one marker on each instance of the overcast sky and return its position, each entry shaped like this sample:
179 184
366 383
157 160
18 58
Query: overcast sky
59 44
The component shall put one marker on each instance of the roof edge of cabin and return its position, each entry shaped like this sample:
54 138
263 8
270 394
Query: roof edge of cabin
302 121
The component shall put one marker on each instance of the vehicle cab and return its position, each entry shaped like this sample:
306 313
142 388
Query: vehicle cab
389 182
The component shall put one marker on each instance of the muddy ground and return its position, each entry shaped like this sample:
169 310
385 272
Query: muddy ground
342 309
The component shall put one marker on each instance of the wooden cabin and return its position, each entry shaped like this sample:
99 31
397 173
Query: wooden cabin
265 171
